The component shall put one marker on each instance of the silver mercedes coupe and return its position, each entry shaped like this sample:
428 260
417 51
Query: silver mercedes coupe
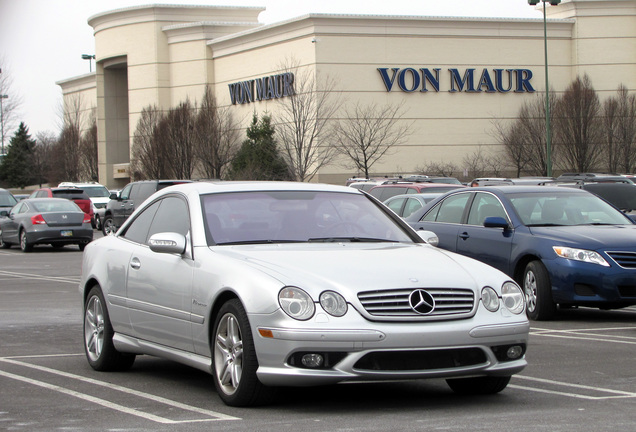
272 284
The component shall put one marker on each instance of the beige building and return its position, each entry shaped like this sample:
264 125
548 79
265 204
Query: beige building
453 76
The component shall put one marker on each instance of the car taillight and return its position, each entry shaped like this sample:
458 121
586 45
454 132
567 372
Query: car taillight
87 218
38 220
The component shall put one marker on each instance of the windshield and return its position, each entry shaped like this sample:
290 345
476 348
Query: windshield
7 200
296 216
45 206
96 191
565 209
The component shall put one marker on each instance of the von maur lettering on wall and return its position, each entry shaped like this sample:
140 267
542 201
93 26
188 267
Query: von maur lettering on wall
259 89
471 81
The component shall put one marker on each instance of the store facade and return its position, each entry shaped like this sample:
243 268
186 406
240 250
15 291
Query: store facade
453 77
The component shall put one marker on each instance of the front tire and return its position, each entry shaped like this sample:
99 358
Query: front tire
108 226
234 361
98 336
478 385
538 291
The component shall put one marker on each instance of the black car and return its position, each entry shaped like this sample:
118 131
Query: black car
122 205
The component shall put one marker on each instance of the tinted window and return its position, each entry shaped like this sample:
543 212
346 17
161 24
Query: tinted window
142 191
70 194
288 216
137 231
96 191
172 216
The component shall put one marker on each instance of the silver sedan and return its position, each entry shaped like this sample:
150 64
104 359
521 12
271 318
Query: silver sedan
292 284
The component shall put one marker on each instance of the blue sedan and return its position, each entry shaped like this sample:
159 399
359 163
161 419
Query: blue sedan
566 247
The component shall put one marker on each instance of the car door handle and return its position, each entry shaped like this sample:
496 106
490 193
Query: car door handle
464 236
135 263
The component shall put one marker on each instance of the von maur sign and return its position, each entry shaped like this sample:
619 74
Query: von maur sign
471 81
259 89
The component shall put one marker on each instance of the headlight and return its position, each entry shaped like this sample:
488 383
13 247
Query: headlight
296 303
512 297
580 255
333 303
490 299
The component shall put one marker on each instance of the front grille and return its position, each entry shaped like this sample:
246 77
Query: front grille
395 302
624 259
421 360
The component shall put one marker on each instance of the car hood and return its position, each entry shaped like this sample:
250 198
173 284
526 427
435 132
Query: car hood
590 236
355 267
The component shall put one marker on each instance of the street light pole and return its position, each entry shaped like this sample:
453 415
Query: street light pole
90 59
548 132
2 96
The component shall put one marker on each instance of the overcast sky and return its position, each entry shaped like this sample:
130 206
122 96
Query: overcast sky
41 41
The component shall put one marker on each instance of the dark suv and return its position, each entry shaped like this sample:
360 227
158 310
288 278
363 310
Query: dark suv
122 205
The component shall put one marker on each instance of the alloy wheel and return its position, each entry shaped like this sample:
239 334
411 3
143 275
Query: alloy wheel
94 328
228 354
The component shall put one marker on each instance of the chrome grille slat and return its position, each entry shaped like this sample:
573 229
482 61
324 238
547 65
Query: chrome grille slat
395 303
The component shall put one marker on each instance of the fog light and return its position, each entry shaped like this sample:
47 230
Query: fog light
514 352
312 360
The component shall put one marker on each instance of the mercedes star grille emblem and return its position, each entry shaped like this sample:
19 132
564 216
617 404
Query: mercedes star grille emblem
422 302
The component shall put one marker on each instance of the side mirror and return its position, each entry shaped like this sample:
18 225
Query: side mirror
4 213
429 237
114 196
496 222
167 242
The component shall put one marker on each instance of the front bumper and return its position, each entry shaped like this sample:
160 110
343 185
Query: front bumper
585 284
359 350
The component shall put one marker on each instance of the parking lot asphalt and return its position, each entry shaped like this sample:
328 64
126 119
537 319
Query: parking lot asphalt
580 377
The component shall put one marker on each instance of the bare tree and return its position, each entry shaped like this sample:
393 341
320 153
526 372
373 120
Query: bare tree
66 156
475 163
180 136
444 169
610 126
88 151
515 150
368 133
577 126
217 136
44 148
530 129
148 153
10 102
303 123
626 129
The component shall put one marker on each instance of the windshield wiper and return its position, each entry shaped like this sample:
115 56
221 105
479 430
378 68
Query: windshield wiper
247 242
349 239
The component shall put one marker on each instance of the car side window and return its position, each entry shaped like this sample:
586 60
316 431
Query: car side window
172 216
18 208
412 205
137 231
125 194
142 191
485 205
396 205
449 210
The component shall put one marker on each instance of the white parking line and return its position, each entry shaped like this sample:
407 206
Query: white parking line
213 416
39 277
588 334
615 394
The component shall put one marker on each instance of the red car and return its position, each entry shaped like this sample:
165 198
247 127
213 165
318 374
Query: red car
78 196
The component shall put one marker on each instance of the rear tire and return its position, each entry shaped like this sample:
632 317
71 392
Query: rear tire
478 385
98 336
24 242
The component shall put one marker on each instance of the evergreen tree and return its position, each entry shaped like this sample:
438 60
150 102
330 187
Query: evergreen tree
17 165
259 158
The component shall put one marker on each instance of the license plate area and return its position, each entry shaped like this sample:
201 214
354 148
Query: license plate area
66 233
